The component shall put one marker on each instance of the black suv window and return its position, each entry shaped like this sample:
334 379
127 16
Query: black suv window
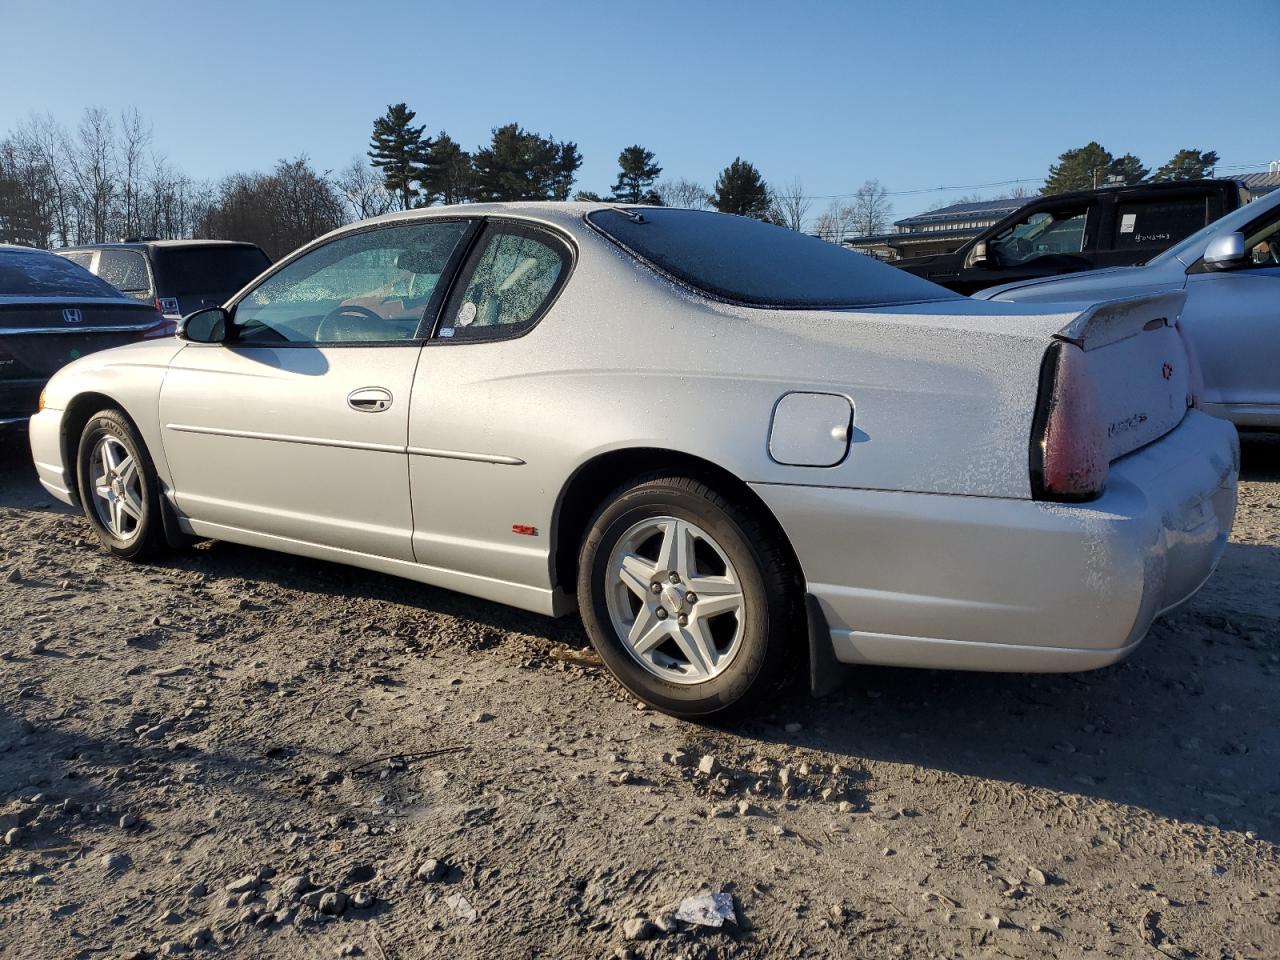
126 270
1044 233
1156 224
215 271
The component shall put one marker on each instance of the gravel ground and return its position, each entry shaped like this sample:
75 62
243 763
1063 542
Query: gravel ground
238 753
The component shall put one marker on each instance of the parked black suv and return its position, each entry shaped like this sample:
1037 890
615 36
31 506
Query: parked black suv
178 276
1068 232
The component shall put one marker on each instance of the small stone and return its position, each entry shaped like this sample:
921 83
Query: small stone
249 882
432 871
13 836
14 575
483 717
333 904
638 928
844 806
172 948
198 936
363 899
745 809
293 888
667 923
1038 876
116 862
709 766
128 821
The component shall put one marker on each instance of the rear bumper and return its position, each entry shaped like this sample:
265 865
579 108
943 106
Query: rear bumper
45 435
975 583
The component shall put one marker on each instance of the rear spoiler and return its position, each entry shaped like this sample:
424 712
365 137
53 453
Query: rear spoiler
1110 321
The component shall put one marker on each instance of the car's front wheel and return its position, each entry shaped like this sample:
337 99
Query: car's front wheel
118 486
688 599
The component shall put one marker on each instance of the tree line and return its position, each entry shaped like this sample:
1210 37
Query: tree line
103 180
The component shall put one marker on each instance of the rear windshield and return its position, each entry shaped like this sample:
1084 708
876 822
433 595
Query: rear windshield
191 271
749 261
40 274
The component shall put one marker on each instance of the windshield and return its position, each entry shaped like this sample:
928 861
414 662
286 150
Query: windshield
39 274
749 261
193 271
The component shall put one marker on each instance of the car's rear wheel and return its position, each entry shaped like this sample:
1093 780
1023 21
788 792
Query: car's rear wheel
118 486
688 599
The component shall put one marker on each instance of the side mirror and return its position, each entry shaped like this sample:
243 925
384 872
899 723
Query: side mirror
1224 252
978 255
212 325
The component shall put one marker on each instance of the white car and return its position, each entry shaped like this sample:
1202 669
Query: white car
738 451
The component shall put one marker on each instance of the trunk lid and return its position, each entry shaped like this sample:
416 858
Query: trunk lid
1140 364
40 335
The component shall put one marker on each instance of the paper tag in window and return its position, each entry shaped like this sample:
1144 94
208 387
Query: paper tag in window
466 313
1127 222
446 331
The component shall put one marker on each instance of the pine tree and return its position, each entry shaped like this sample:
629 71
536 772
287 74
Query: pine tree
637 172
521 165
400 151
1188 164
1084 168
1128 169
740 189
448 171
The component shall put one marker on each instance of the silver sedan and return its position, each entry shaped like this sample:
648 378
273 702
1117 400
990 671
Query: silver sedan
1230 273
738 452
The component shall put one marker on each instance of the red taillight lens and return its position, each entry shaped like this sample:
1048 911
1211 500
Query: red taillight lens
1069 449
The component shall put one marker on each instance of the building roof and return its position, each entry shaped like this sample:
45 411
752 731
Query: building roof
994 209
903 239
1260 182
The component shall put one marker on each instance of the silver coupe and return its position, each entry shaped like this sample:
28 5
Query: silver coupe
739 452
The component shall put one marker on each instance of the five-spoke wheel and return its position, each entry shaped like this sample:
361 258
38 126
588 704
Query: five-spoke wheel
689 598
118 485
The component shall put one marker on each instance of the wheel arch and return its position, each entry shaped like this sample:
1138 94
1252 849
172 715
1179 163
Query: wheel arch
585 491
77 413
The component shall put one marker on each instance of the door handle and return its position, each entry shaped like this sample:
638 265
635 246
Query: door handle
369 399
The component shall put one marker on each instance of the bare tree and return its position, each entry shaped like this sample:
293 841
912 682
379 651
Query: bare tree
835 223
135 135
791 206
362 188
44 140
871 209
683 193
278 211
91 160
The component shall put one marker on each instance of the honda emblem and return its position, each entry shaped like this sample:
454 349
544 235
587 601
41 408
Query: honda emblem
72 315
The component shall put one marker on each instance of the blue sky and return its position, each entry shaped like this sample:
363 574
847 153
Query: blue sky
918 95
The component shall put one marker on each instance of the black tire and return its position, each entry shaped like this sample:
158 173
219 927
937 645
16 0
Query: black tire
771 593
149 533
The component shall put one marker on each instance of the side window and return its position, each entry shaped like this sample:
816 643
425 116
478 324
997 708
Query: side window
513 275
1043 233
126 270
369 287
1156 224
1262 245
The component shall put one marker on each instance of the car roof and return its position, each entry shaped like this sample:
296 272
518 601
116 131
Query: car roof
158 244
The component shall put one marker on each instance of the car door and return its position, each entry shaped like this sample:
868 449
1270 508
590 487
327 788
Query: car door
1041 243
296 427
1233 318
477 508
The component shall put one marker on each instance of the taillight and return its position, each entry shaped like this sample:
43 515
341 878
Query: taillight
1069 449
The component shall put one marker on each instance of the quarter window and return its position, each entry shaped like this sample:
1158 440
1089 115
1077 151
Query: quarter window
513 277
369 287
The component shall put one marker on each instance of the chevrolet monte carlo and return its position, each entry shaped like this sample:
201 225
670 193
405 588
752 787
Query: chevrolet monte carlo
738 451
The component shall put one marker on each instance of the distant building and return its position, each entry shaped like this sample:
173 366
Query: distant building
937 231
1260 184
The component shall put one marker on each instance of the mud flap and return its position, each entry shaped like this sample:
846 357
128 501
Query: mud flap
826 673
173 535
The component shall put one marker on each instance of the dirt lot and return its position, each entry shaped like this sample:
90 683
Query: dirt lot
238 753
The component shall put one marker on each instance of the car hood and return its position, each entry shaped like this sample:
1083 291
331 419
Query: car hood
1089 286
